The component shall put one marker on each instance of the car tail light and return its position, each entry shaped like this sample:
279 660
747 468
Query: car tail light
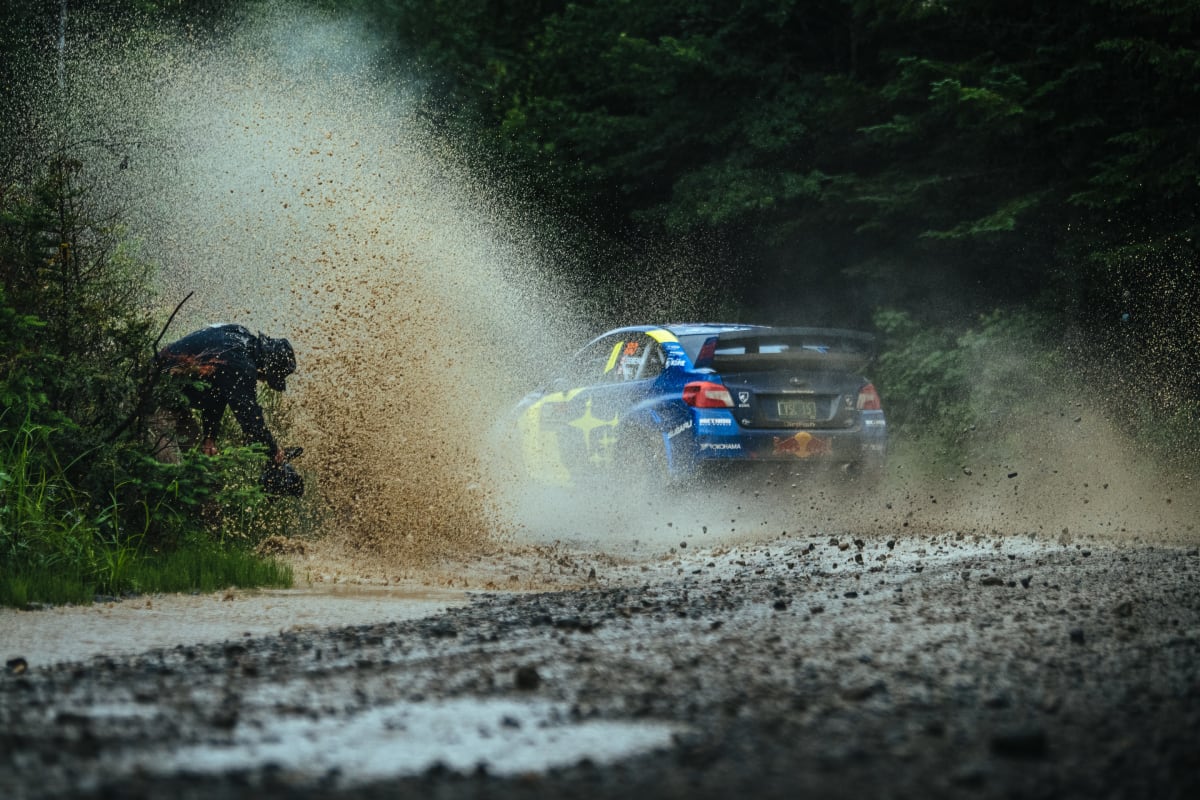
705 394
868 399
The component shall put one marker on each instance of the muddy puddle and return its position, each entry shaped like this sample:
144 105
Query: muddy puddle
495 736
135 625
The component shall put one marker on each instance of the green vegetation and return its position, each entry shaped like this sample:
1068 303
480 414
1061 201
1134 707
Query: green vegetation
1009 192
964 396
84 507
877 152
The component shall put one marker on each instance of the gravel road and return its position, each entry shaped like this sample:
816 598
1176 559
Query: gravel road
945 665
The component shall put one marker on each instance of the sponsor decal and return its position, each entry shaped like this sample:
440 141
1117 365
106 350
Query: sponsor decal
671 434
588 424
744 398
720 422
802 445
720 446
874 423
612 358
676 362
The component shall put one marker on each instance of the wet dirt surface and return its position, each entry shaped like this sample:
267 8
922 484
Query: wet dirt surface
131 625
944 664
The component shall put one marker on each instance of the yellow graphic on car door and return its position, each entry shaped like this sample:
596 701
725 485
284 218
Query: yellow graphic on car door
544 424
539 443
599 452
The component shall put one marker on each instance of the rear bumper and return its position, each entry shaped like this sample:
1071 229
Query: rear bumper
866 443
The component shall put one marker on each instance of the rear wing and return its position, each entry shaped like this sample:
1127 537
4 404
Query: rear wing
803 348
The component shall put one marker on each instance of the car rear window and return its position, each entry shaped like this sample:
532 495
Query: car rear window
740 349
780 347
692 344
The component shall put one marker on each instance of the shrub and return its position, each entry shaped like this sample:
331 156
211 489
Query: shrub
84 507
965 390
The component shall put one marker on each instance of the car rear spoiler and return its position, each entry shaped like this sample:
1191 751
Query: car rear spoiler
807 348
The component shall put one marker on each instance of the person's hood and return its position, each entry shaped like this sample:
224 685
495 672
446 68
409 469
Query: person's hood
278 361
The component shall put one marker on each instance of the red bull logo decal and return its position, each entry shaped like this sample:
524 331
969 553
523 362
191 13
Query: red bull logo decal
802 445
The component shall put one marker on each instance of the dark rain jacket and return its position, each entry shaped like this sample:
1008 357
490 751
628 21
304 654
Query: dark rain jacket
218 366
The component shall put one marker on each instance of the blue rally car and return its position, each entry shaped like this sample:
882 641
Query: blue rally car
682 398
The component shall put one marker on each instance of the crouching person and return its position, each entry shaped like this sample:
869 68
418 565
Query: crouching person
219 367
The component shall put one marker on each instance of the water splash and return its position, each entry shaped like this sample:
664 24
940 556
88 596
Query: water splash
277 170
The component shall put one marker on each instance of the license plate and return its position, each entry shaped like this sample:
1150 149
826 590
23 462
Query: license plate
797 409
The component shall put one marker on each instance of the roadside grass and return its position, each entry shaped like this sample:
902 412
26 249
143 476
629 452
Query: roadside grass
197 567
19 588
207 567
58 546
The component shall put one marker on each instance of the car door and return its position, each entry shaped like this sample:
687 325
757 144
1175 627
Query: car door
571 433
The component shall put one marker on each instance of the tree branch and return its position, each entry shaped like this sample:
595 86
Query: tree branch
150 380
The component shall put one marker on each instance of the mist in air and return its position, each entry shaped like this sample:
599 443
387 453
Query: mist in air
279 174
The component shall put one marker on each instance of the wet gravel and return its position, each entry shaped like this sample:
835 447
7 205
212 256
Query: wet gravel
944 666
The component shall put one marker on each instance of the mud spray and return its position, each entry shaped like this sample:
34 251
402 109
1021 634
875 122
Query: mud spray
283 178
280 172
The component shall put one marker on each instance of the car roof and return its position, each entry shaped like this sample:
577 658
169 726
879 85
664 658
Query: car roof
709 328
717 328
690 328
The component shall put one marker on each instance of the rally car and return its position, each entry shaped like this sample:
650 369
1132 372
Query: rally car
684 398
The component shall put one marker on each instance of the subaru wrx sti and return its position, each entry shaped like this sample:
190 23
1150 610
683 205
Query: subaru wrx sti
687 398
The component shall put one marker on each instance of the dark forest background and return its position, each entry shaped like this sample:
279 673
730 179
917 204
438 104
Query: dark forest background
939 156
926 169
